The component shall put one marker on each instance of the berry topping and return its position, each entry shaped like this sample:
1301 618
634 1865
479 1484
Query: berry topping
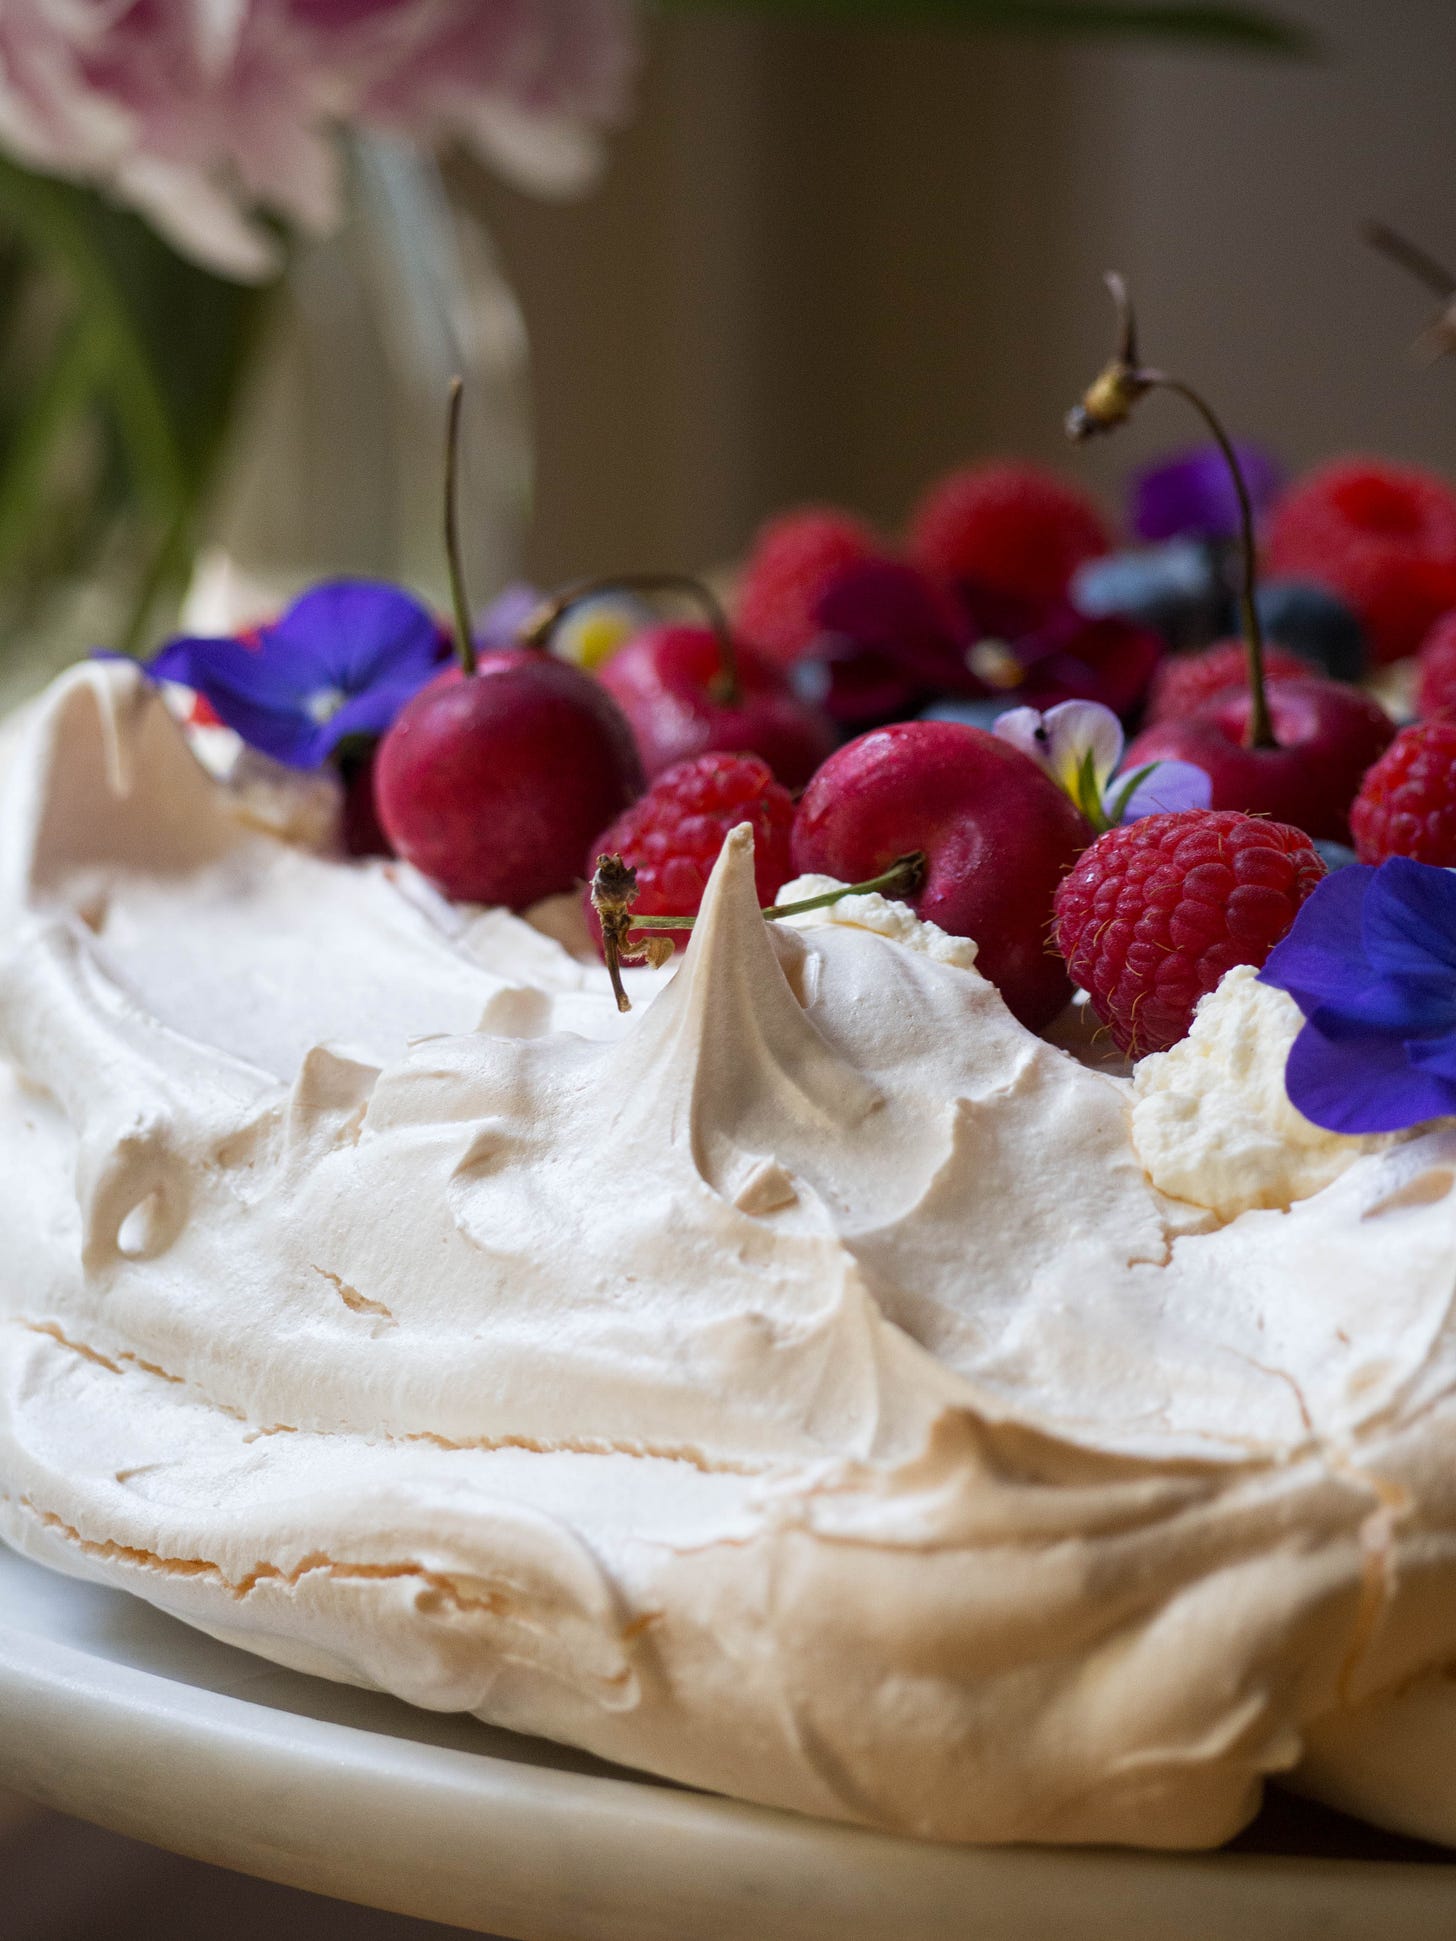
1188 682
1382 536
1436 693
996 833
1326 734
671 683
794 559
673 834
1012 528
1407 803
1154 913
1316 624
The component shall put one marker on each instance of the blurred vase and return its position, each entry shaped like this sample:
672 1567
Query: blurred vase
334 463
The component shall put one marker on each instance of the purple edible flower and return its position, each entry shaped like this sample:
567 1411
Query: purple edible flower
1191 495
1371 962
893 637
340 662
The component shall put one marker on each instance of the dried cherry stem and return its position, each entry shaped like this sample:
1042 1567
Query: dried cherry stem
1439 337
464 627
542 624
614 890
1108 403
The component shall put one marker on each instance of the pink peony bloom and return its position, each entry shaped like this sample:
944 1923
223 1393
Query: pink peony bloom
201 112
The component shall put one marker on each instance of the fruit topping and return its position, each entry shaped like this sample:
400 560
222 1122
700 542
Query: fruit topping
672 835
1382 536
1436 681
1407 802
1184 683
996 832
1154 913
1292 749
1326 735
793 560
495 777
1008 527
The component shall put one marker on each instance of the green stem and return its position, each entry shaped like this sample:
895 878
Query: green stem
1261 728
464 625
904 876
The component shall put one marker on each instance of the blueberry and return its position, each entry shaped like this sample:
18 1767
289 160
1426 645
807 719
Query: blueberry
1311 622
1177 588
975 714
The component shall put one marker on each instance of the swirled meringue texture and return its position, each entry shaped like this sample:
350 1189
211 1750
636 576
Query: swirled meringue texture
799 1387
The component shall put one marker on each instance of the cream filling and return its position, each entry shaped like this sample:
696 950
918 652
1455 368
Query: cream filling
800 1386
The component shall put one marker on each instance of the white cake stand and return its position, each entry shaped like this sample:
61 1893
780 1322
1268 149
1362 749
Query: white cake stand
110 1711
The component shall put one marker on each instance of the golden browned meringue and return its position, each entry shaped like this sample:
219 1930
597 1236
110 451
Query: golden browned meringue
798 1388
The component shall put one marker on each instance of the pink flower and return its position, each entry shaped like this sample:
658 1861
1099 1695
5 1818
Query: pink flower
200 113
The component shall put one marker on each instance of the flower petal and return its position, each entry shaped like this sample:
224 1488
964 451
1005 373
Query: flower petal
244 693
1192 493
357 632
1323 955
1076 730
1408 923
370 714
1363 1084
1163 789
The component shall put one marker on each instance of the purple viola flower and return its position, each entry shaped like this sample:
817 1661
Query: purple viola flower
1191 494
340 663
1371 962
893 638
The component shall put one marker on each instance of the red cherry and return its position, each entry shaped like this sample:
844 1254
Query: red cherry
1328 734
493 783
998 836
669 682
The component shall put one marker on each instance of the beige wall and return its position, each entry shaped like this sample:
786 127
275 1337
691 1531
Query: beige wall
830 262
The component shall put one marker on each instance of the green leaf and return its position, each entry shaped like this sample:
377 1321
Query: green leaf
1210 25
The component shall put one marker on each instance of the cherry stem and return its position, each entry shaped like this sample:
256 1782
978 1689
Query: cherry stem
614 887
905 873
1261 729
1108 403
1412 258
539 628
464 628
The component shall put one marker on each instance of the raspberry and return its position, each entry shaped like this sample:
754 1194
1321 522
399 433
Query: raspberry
1407 802
1382 536
1154 913
1011 528
1436 693
1187 682
672 835
793 560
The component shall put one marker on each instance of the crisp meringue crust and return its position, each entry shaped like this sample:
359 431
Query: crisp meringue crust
799 1387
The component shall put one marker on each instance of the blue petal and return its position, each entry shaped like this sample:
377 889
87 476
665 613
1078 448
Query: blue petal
349 634
1409 920
1364 1084
245 689
371 713
1170 786
1192 492
1323 957
1436 1057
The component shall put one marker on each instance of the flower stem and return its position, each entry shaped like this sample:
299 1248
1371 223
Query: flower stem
539 628
1261 729
464 627
1108 403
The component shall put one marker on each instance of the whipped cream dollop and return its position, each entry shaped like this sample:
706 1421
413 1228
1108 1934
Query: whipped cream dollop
810 1386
